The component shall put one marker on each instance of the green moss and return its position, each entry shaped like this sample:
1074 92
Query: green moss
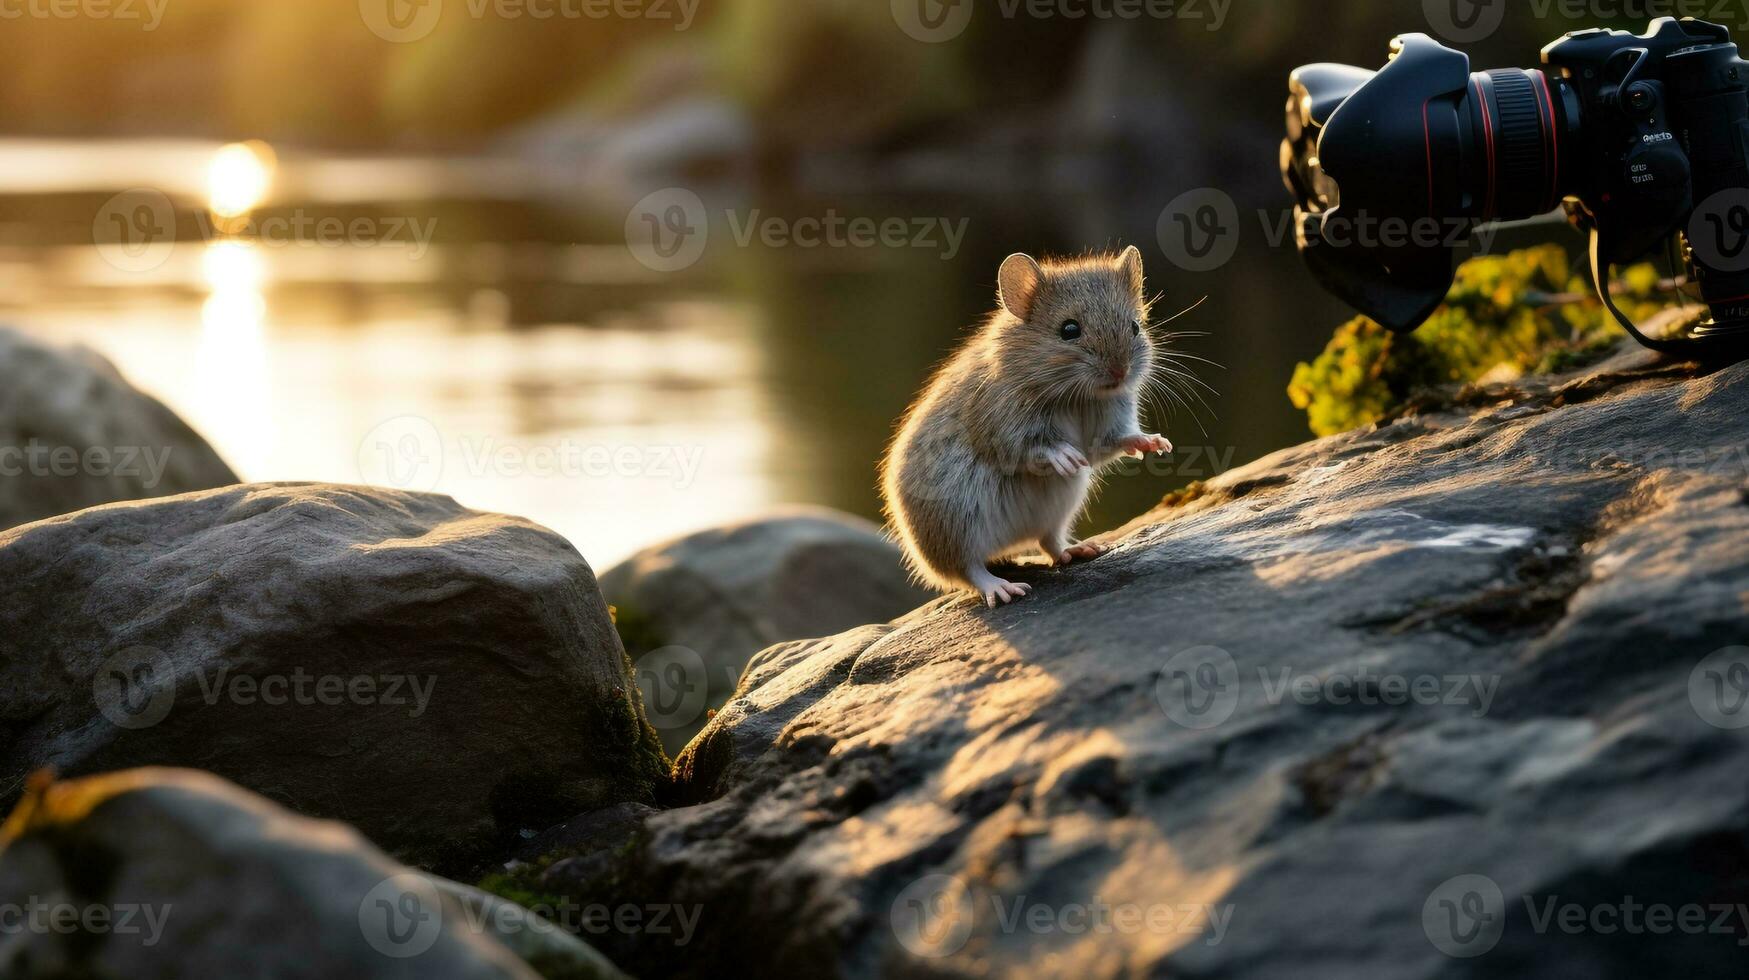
1510 314
519 888
625 728
638 635
561 968
524 883
637 630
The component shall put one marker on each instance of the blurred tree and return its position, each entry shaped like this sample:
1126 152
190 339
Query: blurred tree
826 73
833 73
474 76
302 71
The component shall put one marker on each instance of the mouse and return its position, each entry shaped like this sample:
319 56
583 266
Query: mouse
1002 448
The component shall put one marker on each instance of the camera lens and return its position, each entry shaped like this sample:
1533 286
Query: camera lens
1489 145
1511 145
1423 140
1642 135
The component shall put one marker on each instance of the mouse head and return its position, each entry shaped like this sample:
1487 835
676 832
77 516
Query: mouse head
1080 325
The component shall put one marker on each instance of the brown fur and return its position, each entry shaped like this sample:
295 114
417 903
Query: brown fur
973 471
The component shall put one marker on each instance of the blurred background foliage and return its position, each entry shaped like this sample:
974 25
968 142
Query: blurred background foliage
1524 312
524 140
829 72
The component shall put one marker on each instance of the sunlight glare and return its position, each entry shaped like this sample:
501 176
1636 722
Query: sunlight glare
234 395
232 266
239 178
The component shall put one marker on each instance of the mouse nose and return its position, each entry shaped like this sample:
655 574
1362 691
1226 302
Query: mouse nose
1118 372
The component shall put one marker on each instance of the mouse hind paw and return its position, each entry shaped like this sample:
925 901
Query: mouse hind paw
1002 593
1062 552
996 591
1086 551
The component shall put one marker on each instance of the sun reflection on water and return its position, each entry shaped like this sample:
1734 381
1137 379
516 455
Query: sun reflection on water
235 392
239 179
288 358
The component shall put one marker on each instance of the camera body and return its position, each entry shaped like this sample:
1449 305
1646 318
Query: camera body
1640 137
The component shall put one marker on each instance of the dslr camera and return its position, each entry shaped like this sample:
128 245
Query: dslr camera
1643 139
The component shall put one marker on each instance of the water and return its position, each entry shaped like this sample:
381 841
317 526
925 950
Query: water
520 359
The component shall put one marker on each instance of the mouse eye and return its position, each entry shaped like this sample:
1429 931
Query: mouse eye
1135 328
1071 330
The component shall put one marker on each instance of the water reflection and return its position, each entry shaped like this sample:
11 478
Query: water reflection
551 374
233 393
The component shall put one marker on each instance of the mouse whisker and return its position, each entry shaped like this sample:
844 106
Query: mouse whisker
1172 372
1177 362
1175 382
1182 356
1171 383
1182 312
1162 390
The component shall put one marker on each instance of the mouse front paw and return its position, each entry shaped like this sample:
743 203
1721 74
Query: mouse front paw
1065 460
1143 445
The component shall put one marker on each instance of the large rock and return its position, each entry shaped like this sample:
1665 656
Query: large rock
74 434
175 873
705 603
440 678
1455 696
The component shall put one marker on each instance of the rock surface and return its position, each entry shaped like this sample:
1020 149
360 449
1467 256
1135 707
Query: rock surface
442 679
722 595
176 873
74 434
1406 702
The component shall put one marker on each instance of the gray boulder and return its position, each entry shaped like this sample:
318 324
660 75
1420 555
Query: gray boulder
169 873
74 434
695 609
443 679
1459 695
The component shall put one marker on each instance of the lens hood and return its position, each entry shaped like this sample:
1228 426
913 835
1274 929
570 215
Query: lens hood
1383 136
1361 152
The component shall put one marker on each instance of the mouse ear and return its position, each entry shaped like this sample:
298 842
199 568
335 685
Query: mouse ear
1130 264
1019 281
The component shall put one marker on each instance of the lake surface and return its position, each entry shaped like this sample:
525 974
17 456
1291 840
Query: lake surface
466 330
